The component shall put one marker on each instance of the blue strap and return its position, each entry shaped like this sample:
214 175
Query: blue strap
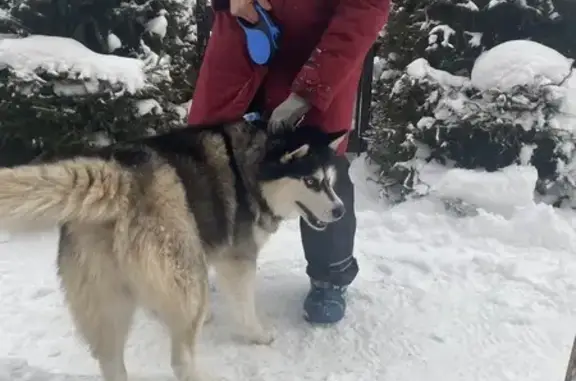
262 37
252 117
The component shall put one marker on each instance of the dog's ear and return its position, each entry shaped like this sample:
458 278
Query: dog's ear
335 138
296 154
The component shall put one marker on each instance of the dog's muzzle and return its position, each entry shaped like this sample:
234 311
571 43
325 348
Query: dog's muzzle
317 224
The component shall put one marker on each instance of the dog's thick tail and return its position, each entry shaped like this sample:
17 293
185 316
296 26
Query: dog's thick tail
84 190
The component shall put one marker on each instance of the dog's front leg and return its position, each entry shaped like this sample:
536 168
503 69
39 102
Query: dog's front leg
237 279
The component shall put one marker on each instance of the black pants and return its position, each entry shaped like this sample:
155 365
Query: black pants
329 252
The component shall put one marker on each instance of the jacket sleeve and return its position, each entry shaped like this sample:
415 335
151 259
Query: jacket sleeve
352 31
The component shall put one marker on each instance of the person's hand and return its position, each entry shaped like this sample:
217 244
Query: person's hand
288 113
245 9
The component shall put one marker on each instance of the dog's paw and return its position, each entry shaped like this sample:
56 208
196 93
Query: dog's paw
261 336
183 374
206 376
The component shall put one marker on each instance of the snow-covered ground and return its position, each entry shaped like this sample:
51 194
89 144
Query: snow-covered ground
489 297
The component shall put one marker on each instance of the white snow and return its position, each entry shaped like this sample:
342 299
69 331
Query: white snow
158 25
60 55
526 153
148 106
468 4
504 191
475 38
523 62
114 42
100 139
181 109
420 68
488 298
520 62
445 32
76 88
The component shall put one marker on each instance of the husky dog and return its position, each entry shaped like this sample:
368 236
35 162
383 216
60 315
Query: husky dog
142 221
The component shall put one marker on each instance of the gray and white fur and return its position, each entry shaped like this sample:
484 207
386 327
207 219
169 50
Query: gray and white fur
142 221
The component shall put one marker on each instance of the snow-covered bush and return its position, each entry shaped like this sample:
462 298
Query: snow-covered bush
89 72
516 108
450 91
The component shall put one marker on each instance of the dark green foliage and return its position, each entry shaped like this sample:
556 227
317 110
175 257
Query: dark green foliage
42 122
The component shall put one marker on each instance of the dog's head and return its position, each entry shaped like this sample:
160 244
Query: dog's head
298 174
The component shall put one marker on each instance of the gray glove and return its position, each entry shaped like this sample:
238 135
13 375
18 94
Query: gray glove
288 113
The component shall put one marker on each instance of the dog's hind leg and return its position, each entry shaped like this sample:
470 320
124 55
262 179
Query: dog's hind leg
100 306
178 294
237 278
184 315
184 343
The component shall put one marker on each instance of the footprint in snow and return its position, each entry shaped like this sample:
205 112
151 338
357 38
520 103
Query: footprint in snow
41 293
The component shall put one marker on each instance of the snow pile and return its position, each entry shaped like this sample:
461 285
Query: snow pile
158 25
518 108
35 57
526 63
520 62
500 192
464 192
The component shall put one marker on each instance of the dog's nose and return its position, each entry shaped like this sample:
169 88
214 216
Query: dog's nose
338 212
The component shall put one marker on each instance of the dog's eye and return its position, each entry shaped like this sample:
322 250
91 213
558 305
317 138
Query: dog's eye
310 182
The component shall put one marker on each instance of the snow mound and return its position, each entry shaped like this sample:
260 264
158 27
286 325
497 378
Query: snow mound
60 55
521 62
501 192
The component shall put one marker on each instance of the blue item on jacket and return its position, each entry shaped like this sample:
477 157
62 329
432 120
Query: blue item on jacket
262 37
252 117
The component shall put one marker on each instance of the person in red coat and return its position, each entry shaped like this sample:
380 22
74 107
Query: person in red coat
315 75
